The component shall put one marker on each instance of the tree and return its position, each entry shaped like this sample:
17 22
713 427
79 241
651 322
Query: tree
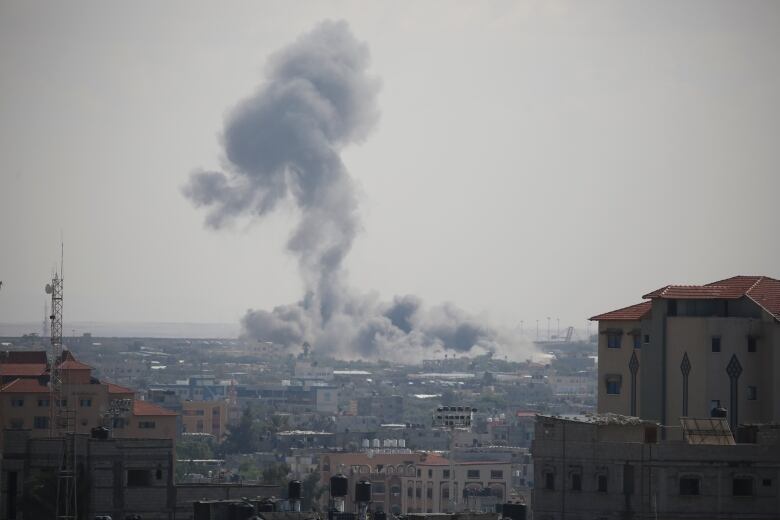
242 438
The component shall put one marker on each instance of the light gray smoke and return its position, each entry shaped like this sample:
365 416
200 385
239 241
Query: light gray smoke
284 141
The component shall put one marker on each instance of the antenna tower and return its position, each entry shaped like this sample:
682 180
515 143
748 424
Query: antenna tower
60 424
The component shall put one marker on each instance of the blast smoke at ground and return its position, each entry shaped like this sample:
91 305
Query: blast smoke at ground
284 142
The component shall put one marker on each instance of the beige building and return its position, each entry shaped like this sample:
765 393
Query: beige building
24 404
691 348
205 417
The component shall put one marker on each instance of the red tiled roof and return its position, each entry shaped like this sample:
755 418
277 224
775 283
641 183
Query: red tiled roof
630 313
763 290
116 389
22 369
147 408
72 364
25 386
432 459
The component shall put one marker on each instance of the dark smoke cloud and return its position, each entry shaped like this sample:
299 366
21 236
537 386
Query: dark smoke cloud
284 142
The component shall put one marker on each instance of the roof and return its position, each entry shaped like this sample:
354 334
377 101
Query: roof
601 419
630 313
763 290
22 369
147 408
25 386
116 389
711 430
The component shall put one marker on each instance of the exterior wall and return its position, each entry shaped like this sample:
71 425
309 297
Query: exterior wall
205 417
643 480
164 427
616 361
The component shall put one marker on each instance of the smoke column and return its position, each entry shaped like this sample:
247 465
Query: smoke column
284 142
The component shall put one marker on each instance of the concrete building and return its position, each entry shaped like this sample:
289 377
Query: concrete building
610 466
24 404
691 348
205 417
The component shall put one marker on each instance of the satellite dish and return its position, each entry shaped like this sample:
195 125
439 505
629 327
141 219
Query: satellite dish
48 288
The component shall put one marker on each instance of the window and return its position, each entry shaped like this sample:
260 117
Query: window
690 485
395 491
378 488
472 473
742 487
409 492
445 474
158 474
148 425
613 383
602 483
647 339
671 308
496 474
752 393
63 403
118 422
549 481
41 423
85 403
637 341
613 340
767 482
418 493
715 343
429 492
17 403
751 344
419 472
43 403
445 493
576 482
430 473
138 477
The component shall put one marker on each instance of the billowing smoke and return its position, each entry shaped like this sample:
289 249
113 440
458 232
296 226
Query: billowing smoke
284 142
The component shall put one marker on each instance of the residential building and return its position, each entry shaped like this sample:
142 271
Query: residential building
689 349
205 417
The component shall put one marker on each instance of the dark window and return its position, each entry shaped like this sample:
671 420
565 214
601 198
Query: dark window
613 384
751 344
647 339
158 474
118 422
138 477
17 403
445 474
148 425
496 474
472 473
613 340
628 479
429 492
766 482
378 488
549 480
602 483
752 393
85 403
445 493
418 492
409 491
672 308
637 341
742 487
43 402
576 482
430 473
690 486
419 472
41 423
716 344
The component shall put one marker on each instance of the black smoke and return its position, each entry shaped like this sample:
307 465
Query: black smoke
284 142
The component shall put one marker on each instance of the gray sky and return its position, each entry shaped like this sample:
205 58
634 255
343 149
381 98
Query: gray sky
531 160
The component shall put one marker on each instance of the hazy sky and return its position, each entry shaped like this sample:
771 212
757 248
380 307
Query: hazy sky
532 159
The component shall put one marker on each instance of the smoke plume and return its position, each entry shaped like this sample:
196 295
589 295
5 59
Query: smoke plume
284 142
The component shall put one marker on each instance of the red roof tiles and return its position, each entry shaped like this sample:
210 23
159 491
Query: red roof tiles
22 369
25 386
116 389
147 408
630 313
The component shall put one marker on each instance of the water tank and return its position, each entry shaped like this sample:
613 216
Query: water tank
402 443
363 491
376 443
386 443
393 443
339 486
294 490
380 515
101 433
366 443
719 412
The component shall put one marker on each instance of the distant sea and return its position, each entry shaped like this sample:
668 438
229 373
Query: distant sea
130 329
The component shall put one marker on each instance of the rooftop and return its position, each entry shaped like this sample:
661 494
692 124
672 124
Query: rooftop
147 408
25 386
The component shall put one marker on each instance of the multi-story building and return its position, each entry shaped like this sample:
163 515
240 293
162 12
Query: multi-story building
205 417
691 348
87 401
